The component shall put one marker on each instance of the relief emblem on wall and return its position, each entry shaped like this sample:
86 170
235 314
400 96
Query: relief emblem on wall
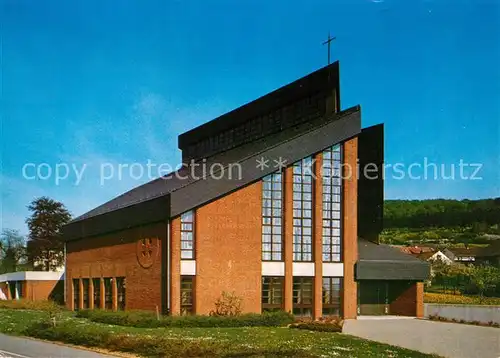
147 251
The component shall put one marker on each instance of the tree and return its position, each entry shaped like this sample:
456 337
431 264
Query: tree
45 246
12 250
484 278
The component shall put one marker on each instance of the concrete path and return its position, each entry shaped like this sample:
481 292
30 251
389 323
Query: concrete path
452 340
15 347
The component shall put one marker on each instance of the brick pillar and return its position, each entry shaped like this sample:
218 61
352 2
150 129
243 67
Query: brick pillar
288 239
80 298
318 237
103 294
9 296
420 299
350 228
114 293
91 293
175 266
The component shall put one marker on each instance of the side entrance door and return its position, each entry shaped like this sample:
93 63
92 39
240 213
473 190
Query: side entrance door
373 298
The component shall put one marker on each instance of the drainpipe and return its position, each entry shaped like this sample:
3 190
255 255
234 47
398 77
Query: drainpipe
168 266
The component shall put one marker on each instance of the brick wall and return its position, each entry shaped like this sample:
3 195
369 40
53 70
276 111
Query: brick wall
118 255
228 249
405 302
350 229
43 290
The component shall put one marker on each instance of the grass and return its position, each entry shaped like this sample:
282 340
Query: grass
430 297
242 341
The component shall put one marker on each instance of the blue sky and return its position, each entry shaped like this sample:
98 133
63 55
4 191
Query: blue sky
92 82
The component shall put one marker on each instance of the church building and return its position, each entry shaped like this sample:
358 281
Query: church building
280 202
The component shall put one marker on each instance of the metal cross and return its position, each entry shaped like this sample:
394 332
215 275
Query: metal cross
328 42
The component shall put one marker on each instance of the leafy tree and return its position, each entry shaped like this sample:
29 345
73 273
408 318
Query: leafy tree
484 278
45 245
12 250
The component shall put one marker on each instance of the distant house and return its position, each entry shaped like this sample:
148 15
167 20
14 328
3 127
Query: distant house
32 285
489 255
434 257
464 255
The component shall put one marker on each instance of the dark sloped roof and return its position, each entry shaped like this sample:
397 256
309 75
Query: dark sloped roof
383 262
462 251
186 192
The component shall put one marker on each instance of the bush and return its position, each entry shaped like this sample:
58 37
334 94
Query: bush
154 346
146 319
229 304
31 305
459 299
323 325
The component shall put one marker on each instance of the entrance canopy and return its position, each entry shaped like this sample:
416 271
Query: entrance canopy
383 262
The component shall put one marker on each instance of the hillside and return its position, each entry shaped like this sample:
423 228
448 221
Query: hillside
440 221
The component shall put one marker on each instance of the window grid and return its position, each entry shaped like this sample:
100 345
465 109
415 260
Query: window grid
86 292
120 292
187 295
108 293
332 192
332 287
272 205
302 210
96 283
187 235
272 293
302 296
76 294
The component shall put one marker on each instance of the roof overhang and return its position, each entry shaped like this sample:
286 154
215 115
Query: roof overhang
382 262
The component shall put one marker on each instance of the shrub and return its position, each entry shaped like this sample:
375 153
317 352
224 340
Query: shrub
146 319
325 324
152 345
229 304
459 299
31 305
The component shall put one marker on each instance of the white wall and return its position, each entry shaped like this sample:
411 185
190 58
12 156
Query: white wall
468 313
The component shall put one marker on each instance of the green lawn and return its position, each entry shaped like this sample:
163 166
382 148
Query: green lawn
313 344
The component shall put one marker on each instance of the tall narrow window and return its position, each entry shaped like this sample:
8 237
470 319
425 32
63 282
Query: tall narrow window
96 282
302 296
86 288
332 188
272 293
331 296
120 292
76 294
187 295
108 293
19 289
187 235
272 190
302 210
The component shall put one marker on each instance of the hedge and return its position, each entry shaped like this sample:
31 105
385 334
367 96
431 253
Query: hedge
30 305
146 319
318 326
154 345
459 299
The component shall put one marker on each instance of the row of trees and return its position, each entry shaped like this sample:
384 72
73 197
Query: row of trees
43 249
478 214
479 280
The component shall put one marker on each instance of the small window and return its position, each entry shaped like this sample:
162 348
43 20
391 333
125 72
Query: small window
187 235
272 293
108 293
187 295
332 287
120 290
86 289
76 294
96 282
302 296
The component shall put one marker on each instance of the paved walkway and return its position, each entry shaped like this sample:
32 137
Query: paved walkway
452 340
16 347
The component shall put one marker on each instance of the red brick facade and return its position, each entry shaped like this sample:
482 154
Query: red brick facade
228 238
119 255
